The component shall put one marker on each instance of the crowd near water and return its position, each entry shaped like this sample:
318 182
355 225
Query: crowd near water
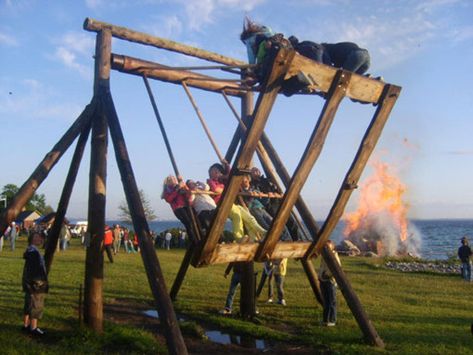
439 238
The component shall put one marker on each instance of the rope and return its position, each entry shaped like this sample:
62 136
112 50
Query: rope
195 224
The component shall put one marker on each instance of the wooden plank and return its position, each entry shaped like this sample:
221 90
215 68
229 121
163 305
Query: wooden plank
53 235
227 253
136 66
360 87
311 153
264 105
167 316
29 187
350 182
158 42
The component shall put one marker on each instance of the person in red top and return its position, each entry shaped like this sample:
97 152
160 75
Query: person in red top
107 242
175 193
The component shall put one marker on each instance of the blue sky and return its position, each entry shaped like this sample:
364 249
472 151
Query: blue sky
46 79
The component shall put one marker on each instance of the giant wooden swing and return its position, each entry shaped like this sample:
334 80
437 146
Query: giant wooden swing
100 114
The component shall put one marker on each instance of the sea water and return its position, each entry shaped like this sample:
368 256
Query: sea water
439 238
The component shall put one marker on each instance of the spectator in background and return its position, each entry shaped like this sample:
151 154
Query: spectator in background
182 239
279 273
116 239
167 240
64 236
464 253
107 242
328 286
13 235
4 236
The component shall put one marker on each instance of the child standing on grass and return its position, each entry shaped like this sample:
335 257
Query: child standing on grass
35 284
328 287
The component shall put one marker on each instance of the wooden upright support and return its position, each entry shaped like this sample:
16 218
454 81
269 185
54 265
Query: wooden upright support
93 285
53 235
312 152
265 102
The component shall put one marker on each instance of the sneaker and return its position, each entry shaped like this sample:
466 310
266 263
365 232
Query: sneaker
225 311
270 300
330 324
282 302
37 332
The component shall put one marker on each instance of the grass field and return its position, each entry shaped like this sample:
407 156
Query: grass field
413 313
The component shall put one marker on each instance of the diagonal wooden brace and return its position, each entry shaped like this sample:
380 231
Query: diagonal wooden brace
266 99
388 99
311 153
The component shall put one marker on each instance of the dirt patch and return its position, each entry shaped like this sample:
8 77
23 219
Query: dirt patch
132 313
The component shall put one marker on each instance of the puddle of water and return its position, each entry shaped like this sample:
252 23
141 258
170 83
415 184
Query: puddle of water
246 341
219 337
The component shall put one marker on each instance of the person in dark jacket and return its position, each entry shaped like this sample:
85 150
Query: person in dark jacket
464 253
35 284
346 55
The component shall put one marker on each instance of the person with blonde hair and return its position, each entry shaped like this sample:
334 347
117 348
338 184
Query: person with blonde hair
175 193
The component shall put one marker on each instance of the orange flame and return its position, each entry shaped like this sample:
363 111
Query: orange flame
380 194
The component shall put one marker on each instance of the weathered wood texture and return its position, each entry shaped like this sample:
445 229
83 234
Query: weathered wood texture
143 38
367 328
350 182
93 284
29 187
53 235
167 316
360 88
313 280
265 102
161 72
311 153
248 290
181 273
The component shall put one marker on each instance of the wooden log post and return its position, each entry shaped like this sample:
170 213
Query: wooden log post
311 153
164 73
157 42
53 235
369 332
167 317
268 166
29 187
93 284
248 280
264 105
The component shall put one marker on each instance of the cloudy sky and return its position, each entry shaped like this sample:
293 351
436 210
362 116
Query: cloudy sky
46 79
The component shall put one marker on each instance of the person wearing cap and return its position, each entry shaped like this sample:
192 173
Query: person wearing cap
464 253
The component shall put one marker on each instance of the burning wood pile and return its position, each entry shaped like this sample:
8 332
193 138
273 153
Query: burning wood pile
380 224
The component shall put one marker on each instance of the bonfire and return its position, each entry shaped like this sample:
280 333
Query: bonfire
380 223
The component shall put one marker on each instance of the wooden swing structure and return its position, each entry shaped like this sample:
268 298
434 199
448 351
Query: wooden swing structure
100 116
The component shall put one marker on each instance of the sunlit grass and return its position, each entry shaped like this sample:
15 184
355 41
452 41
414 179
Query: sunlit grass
414 313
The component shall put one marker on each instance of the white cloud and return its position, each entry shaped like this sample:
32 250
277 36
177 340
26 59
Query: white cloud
201 12
461 34
72 49
93 4
166 27
7 40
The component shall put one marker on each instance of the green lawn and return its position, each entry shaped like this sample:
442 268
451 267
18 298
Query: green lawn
413 313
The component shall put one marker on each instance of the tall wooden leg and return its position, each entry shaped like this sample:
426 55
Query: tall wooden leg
53 235
167 317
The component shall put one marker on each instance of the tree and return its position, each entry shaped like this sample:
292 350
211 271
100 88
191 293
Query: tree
37 202
125 215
